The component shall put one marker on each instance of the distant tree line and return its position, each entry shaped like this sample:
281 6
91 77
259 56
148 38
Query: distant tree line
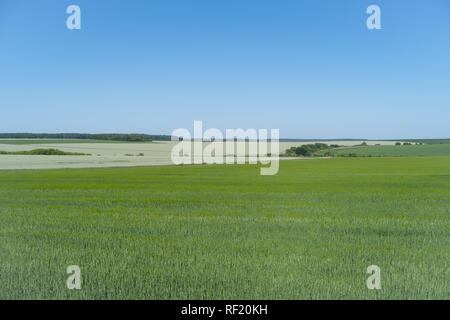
408 143
44 136
426 141
44 152
108 136
121 137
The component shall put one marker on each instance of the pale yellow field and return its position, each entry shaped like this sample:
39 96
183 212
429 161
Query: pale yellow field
112 154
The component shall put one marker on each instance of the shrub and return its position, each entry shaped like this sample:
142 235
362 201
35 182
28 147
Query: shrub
307 150
45 152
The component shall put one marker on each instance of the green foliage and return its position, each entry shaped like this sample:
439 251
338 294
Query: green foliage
44 136
225 232
85 136
52 141
308 150
44 152
137 155
427 141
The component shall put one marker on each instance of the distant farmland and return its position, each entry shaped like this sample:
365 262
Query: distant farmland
105 153
427 141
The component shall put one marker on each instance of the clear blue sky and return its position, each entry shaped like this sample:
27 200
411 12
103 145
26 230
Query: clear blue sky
310 68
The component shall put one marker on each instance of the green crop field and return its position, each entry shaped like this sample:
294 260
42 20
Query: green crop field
395 151
225 232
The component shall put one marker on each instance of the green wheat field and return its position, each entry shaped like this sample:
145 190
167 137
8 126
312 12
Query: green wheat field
226 232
